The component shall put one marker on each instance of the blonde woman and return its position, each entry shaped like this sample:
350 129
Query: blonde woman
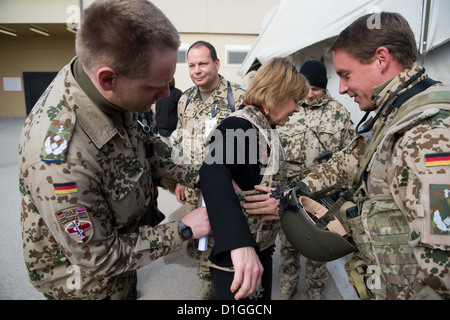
245 148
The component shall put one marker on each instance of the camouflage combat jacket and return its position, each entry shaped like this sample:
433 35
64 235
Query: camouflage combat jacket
190 135
319 126
402 231
86 183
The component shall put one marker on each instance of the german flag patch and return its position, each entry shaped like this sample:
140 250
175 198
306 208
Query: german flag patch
437 159
64 188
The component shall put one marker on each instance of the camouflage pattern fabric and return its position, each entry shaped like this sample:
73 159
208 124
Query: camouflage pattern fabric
274 171
393 230
318 126
190 137
86 184
321 125
190 134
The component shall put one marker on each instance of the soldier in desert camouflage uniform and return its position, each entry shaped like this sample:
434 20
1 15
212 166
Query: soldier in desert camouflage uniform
323 124
406 160
87 159
401 225
200 109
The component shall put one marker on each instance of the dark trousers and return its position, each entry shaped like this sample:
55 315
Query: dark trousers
222 279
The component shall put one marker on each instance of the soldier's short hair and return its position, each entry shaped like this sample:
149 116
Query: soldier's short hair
209 46
123 34
362 38
275 82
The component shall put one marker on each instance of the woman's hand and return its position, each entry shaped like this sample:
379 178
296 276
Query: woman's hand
248 272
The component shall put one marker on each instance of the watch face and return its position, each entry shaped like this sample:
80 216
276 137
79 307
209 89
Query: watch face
186 233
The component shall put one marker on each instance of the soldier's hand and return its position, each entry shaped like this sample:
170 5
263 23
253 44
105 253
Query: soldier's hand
198 221
180 194
262 204
248 272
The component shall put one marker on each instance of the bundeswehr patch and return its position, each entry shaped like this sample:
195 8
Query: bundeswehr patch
56 141
76 223
440 209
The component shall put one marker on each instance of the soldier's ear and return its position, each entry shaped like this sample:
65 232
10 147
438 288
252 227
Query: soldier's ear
217 63
383 58
106 78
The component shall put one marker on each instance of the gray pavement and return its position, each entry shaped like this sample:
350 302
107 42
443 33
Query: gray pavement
171 277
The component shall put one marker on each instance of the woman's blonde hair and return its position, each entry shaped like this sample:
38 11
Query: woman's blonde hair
274 83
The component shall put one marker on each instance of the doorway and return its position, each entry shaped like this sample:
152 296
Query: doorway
34 84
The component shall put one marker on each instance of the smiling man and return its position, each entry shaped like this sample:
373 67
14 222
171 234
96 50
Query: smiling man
86 159
200 109
396 169
399 193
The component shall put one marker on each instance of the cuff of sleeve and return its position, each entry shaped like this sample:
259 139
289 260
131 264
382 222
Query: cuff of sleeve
172 232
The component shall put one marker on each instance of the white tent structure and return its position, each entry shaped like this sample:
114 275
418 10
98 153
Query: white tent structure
303 30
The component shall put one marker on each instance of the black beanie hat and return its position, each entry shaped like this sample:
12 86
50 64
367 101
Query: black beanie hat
316 73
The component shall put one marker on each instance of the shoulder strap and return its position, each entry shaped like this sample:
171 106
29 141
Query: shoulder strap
417 88
404 114
230 97
189 98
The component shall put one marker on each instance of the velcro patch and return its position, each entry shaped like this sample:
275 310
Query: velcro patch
56 141
76 223
440 209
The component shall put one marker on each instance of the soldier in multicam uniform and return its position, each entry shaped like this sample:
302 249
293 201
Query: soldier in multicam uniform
401 193
200 109
323 126
87 159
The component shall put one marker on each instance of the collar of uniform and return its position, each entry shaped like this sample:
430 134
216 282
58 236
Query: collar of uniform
217 92
91 106
385 89
323 100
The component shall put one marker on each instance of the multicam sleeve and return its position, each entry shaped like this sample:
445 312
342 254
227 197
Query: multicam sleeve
169 162
338 169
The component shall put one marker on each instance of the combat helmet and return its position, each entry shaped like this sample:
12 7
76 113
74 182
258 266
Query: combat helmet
314 230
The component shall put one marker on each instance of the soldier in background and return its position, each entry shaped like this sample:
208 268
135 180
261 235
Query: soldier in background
322 127
200 109
87 159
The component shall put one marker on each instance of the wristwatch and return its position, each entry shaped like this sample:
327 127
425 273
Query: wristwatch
184 231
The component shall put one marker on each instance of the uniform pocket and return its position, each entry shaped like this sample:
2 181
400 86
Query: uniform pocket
125 180
388 232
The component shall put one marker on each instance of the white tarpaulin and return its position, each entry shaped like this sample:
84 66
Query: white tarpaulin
298 24
304 29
